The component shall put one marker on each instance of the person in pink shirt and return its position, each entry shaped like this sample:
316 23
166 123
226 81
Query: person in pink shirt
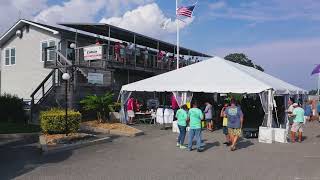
174 103
130 110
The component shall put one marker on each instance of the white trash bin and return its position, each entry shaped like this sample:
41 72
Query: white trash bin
280 135
265 135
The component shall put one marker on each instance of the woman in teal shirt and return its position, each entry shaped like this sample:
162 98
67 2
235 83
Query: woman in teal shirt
182 117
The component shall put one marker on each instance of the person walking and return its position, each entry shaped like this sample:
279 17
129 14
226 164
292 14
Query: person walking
225 124
208 115
298 120
195 116
182 117
235 122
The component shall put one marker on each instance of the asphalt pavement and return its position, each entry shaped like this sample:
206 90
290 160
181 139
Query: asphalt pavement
155 156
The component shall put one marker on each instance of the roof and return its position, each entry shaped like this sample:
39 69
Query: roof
128 36
12 31
52 29
214 75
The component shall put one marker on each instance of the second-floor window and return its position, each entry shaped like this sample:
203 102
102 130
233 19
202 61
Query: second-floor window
50 52
10 56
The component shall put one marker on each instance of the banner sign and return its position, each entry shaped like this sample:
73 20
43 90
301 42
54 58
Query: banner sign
95 78
92 53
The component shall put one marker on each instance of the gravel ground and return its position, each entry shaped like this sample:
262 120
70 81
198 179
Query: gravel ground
154 156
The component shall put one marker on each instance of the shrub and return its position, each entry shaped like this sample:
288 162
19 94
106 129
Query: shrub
11 109
115 107
53 121
100 104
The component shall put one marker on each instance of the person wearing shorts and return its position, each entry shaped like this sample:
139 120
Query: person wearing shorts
235 121
298 122
208 115
130 110
225 124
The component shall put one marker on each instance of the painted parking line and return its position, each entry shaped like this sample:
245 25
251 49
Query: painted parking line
313 157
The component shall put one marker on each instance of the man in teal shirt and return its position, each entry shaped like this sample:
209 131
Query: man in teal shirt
182 117
297 126
195 116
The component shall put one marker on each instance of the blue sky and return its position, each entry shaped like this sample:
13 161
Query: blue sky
281 35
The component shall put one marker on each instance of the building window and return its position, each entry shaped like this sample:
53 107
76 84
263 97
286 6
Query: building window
10 56
50 52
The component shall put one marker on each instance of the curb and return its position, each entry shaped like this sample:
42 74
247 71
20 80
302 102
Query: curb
50 150
111 131
19 135
94 129
121 133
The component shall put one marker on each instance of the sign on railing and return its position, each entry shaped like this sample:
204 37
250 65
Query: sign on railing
92 53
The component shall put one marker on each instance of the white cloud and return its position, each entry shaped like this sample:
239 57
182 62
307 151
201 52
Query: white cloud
291 60
217 5
84 10
272 10
147 20
10 10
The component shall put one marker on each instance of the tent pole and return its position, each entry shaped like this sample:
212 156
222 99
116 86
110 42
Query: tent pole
270 106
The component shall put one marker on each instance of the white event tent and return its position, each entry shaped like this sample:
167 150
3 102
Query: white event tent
215 75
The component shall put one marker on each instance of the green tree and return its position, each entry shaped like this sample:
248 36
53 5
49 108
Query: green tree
100 104
313 92
241 58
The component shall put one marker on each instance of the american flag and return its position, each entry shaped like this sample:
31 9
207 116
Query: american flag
185 10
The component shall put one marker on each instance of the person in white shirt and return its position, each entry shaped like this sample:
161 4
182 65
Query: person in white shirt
289 111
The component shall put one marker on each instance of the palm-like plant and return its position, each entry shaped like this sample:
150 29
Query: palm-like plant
100 104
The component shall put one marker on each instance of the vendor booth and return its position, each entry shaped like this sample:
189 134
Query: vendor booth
217 75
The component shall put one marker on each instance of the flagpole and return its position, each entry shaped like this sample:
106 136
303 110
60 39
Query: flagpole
177 20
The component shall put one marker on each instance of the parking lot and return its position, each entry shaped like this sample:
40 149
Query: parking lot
154 156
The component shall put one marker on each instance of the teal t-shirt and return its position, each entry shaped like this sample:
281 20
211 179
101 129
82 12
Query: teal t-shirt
299 115
195 115
182 116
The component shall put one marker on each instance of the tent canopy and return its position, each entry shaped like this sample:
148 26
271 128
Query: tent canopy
214 75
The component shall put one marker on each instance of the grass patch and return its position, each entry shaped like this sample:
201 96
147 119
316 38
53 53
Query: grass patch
10 128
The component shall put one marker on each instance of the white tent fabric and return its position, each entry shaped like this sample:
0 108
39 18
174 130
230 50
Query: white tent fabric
214 75
280 87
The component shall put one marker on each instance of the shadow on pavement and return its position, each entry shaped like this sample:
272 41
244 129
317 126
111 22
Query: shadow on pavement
22 156
210 145
244 144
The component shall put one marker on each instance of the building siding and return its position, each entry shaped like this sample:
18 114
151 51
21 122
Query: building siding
24 77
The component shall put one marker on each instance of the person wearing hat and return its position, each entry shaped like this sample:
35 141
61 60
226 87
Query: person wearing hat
298 121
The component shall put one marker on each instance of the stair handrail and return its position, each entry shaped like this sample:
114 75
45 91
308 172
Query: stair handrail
42 83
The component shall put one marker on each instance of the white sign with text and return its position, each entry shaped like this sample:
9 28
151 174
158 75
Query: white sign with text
92 53
95 78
